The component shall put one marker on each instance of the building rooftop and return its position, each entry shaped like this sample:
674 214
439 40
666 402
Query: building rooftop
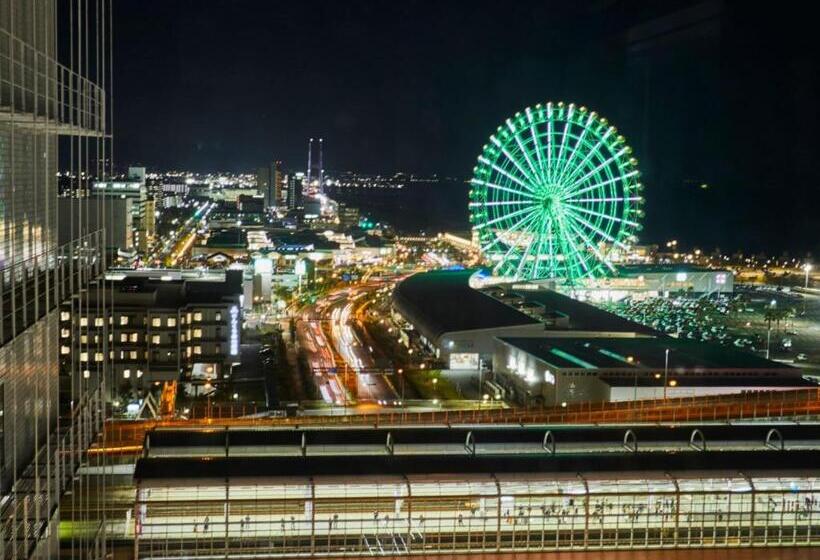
442 301
227 238
583 316
301 240
685 356
169 293
352 465
670 268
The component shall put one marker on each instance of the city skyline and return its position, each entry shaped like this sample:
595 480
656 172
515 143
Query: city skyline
420 87
527 344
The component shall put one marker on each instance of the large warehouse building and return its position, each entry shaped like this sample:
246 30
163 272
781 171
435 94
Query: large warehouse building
553 371
546 347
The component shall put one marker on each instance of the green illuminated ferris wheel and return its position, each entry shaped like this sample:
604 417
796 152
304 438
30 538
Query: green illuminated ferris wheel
556 193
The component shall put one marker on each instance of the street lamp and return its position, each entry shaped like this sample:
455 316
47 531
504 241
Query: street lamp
807 267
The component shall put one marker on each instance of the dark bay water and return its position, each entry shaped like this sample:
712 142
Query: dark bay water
429 206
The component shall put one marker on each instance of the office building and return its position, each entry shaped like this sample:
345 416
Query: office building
294 191
143 206
270 182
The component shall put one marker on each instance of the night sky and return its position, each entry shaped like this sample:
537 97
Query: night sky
720 93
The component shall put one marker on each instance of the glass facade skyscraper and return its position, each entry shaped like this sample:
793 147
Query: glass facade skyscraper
47 111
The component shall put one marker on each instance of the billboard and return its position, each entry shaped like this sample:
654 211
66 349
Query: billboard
463 360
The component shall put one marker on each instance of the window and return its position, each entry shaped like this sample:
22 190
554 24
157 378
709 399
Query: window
139 373
218 316
83 356
65 333
65 350
189 316
197 349
123 337
197 333
182 337
218 348
188 351
83 321
98 357
65 316
99 322
197 316
133 354
172 321
126 373
84 338
155 339
135 337
123 320
156 322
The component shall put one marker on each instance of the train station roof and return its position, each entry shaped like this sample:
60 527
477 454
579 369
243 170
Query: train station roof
148 469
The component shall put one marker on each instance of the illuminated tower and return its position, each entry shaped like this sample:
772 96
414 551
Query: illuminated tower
315 170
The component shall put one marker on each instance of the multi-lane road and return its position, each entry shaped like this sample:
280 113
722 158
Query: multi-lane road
343 365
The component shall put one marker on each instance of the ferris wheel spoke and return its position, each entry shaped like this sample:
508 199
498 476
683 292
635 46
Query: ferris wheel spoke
606 199
513 246
533 180
576 253
560 164
595 150
502 188
591 245
523 260
499 203
537 143
551 240
527 158
571 159
596 229
601 215
528 210
598 168
549 150
605 183
543 225
510 176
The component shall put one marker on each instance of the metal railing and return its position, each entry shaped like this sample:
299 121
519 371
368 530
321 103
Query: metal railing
127 436
36 90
